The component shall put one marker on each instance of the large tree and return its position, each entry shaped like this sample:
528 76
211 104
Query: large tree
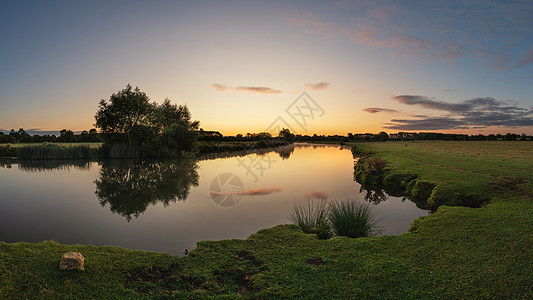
151 129
125 109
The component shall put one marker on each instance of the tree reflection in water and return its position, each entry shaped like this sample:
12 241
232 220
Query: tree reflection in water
374 195
129 186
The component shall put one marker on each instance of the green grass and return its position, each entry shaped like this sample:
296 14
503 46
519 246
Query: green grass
351 219
457 252
474 169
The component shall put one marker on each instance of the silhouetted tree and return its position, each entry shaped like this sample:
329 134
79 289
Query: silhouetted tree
150 129
286 134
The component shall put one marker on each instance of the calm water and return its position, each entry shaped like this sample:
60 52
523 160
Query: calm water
169 206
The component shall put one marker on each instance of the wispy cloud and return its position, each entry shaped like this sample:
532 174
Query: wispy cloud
527 58
250 89
219 87
446 31
317 86
374 110
473 113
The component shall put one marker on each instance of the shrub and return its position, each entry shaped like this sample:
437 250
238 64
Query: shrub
369 170
351 219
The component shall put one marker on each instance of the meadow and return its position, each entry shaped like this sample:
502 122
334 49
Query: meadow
457 252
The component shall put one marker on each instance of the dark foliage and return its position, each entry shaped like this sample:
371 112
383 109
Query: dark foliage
130 186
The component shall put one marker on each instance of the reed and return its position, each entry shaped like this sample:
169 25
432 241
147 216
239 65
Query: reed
47 151
312 217
351 219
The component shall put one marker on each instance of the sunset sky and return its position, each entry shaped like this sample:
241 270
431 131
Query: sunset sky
240 66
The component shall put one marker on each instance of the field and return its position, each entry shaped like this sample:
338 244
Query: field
457 252
471 168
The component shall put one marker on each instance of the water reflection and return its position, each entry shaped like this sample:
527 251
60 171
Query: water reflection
283 151
130 186
374 195
46 165
97 203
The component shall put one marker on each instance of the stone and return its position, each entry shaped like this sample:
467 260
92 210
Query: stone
72 261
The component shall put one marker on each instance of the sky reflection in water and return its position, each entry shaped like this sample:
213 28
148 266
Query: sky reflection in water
169 206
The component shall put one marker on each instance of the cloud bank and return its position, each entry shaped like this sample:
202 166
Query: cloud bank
472 113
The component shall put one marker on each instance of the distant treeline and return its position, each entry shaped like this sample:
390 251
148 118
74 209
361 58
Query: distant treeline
361 137
65 136
68 136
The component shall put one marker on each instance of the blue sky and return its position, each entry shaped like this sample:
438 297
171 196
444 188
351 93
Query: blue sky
446 66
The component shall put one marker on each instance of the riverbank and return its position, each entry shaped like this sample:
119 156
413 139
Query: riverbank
51 151
458 252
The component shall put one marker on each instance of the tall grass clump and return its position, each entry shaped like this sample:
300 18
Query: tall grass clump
312 217
54 152
351 219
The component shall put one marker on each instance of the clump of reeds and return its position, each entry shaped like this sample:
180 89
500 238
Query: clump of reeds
8 151
312 217
343 218
49 151
350 218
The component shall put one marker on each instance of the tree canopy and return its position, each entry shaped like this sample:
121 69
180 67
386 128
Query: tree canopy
148 128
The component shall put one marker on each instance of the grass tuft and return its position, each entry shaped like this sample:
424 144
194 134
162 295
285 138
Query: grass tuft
312 217
351 219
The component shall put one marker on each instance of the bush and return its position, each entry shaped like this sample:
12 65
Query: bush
369 170
351 219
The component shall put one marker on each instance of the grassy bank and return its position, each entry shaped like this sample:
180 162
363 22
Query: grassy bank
458 252
219 147
90 150
456 173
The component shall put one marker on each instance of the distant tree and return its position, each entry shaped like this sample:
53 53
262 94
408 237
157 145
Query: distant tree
66 136
350 136
286 134
492 137
510 137
382 136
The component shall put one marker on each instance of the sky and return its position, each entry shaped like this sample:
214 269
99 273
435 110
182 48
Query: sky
250 66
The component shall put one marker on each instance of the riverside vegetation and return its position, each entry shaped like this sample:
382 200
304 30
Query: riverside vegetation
341 217
457 252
